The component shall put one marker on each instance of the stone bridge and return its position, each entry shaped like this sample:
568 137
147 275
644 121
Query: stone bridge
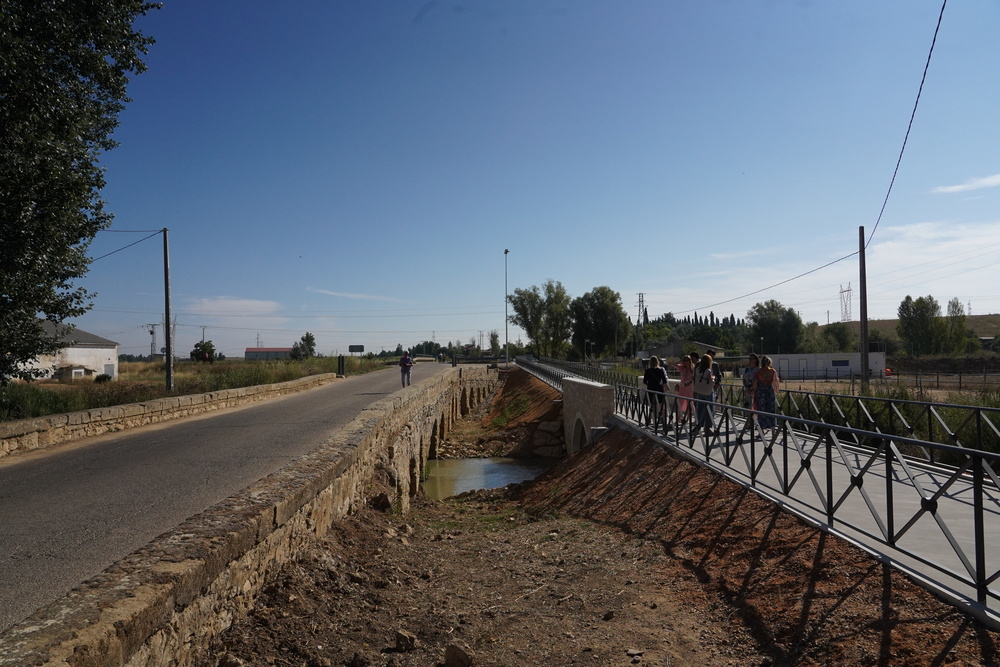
158 605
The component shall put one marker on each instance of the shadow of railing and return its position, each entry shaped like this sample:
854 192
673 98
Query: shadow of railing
856 470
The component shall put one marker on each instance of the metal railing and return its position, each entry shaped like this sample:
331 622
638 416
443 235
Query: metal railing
974 427
866 469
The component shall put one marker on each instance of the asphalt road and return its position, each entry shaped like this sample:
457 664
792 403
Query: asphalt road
68 513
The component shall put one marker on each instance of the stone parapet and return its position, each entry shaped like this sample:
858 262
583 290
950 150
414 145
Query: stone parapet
17 437
163 603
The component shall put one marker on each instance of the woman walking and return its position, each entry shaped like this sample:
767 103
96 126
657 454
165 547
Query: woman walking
704 390
685 389
765 393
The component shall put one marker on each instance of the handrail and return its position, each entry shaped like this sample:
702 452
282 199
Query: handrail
862 469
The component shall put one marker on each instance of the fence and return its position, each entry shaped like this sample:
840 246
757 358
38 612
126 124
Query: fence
906 480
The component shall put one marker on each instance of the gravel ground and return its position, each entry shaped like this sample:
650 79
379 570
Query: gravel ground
622 555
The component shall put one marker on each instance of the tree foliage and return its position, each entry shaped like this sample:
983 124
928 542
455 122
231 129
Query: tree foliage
780 328
954 332
203 351
63 75
305 348
920 327
544 316
598 317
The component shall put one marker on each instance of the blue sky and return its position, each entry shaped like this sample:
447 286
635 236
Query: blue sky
356 169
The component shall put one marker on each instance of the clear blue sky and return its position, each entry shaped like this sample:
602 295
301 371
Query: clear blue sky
356 169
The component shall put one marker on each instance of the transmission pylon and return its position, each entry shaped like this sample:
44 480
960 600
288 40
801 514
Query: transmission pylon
845 303
152 342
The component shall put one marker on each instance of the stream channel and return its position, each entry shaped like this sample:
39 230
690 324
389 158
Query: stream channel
449 477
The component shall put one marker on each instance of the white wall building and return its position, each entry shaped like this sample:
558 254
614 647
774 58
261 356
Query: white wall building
828 365
83 355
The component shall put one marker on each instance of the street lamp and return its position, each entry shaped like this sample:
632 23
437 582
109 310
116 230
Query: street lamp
506 325
762 346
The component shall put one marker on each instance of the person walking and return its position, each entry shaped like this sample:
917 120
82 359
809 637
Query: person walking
685 389
717 387
765 392
405 365
753 365
655 379
704 388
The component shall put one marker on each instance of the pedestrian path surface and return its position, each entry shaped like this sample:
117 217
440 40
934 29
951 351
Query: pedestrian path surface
933 522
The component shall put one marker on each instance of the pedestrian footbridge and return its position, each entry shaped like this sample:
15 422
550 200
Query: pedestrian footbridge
911 483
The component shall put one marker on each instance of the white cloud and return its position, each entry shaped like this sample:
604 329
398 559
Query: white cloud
972 184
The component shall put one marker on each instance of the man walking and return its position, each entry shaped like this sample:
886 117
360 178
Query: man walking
405 364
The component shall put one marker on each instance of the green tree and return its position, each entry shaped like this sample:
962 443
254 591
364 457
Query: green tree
557 325
920 328
544 315
305 348
494 342
839 337
63 75
780 328
529 309
953 340
598 317
203 351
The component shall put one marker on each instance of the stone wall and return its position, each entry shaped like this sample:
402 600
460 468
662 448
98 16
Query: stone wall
158 606
27 434
587 407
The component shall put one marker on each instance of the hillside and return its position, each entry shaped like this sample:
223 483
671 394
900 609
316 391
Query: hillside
983 325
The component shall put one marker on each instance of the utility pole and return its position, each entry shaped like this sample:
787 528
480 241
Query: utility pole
506 333
864 310
166 299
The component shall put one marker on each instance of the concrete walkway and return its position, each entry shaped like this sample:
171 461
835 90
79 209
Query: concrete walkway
931 510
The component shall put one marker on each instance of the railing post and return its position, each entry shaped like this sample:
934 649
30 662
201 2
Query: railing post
829 479
785 486
980 533
889 514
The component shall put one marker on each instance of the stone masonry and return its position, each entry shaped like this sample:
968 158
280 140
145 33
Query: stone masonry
158 605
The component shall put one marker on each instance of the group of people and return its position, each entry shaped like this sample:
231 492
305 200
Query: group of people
701 379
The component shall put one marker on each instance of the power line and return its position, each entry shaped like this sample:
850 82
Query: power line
764 289
910 126
159 231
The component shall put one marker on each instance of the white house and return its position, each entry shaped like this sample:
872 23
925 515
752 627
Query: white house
83 355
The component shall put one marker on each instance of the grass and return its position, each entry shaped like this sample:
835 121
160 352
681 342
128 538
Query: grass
516 407
144 381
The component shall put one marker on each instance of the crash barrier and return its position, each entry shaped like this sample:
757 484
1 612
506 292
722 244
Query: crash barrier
930 509
162 604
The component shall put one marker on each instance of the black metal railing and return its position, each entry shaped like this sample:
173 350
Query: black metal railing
858 481
909 478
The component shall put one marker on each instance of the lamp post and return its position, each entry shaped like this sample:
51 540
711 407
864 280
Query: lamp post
762 346
506 325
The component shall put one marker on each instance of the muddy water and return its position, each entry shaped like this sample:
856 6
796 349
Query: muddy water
448 477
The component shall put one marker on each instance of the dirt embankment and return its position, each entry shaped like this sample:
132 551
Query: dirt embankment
623 555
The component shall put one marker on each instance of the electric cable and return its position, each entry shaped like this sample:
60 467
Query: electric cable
909 127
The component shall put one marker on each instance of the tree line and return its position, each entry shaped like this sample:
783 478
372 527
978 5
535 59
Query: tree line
596 324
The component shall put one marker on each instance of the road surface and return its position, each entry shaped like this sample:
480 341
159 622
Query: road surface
68 513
